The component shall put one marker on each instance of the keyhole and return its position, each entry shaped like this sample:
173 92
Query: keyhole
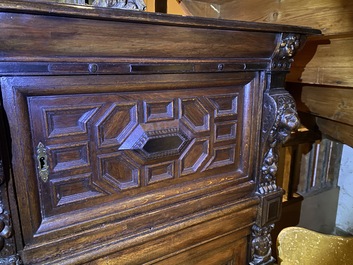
42 162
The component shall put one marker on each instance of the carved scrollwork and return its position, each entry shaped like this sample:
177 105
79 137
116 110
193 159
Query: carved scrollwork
7 241
283 56
121 4
11 260
261 245
289 46
5 220
5 226
2 175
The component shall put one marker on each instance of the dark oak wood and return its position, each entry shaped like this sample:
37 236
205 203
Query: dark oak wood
142 138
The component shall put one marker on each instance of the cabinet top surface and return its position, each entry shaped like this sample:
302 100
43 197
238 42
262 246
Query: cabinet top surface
97 13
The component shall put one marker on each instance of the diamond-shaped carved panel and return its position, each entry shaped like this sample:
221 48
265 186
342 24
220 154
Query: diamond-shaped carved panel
194 156
119 171
116 124
195 115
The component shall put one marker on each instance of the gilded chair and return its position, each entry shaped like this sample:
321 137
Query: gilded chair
301 246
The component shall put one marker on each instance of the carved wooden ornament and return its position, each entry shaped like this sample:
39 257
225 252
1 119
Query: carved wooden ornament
121 4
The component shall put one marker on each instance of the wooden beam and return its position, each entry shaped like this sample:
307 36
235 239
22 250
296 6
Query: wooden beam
327 61
339 131
329 102
331 16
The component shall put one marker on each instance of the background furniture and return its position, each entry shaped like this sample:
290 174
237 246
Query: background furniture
297 245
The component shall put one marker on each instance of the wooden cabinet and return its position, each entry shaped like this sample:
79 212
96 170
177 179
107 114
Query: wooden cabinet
140 138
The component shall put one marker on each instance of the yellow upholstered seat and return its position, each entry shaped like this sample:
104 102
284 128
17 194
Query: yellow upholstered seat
301 246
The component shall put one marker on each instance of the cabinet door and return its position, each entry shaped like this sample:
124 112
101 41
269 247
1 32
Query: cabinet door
102 159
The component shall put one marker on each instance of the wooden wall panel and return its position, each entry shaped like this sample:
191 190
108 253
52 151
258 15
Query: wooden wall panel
201 8
331 16
339 131
335 110
331 103
325 61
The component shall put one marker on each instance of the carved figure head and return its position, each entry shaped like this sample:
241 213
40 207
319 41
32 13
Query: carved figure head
289 121
289 46
287 117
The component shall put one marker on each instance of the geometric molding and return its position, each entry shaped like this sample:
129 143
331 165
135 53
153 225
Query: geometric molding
222 156
72 189
69 156
158 111
224 131
67 121
194 115
194 156
155 144
116 124
118 171
225 105
159 172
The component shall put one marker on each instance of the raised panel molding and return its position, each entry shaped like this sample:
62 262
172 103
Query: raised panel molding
224 131
159 110
159 172
222 156
69 156
195 115
116 124
118 171
73 189
67 121
194 156
225 105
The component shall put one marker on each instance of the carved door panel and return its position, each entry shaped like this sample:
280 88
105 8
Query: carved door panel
103 146
100 150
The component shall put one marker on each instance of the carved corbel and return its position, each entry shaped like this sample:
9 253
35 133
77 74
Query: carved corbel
287 48
280 118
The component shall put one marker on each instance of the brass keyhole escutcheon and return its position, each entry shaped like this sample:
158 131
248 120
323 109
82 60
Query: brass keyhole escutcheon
42 162
43 168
